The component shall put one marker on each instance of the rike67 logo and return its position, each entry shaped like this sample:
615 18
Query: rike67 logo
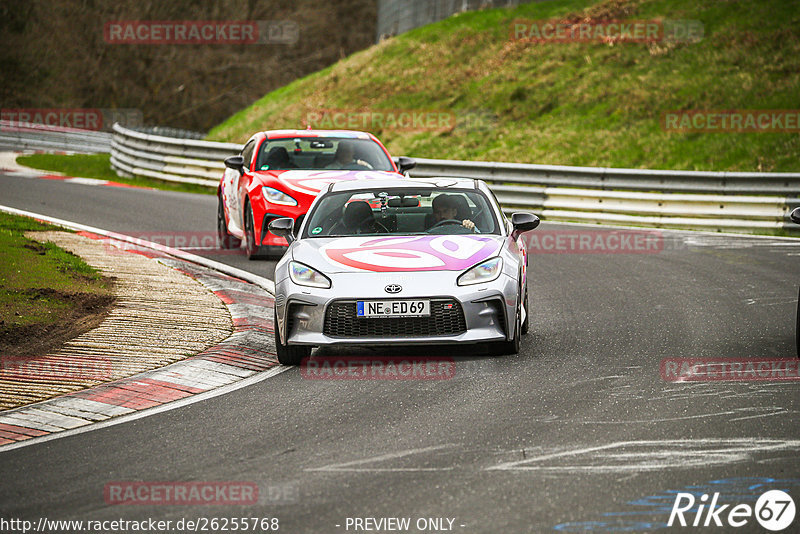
774 510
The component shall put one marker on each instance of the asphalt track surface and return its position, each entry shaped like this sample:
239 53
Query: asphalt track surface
579 432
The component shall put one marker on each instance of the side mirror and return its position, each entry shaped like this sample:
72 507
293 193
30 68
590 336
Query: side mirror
523 222
405 164
236 163
283 227
795 215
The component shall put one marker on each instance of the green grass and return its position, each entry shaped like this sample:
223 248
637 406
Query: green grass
39 281
99 166
582 104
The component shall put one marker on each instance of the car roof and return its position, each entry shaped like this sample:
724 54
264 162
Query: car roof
344 134
438 182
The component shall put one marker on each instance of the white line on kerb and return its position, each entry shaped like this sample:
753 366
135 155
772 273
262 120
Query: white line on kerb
255 379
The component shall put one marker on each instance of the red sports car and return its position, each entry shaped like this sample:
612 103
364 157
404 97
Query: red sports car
280 172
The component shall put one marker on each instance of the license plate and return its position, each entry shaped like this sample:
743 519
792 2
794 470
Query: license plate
393 308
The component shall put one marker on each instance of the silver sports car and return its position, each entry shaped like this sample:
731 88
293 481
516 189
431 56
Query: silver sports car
402 261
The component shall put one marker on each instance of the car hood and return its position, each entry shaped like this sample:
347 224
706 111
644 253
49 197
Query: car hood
312 182
396 253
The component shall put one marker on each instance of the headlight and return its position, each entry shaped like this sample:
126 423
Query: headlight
303 275
277 197
483 272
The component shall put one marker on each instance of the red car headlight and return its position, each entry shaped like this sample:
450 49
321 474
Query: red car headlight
274 196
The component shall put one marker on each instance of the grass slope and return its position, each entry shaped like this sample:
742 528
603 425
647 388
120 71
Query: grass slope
570 104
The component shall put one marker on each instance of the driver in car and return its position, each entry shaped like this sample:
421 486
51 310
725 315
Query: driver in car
446 207
345 158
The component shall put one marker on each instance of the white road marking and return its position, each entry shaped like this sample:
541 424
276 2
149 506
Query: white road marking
351 466
759 416
768 411
662 454
660 420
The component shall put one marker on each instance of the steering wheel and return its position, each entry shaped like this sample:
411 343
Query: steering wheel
474 229
446 221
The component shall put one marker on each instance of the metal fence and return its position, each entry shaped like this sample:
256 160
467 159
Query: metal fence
15 136
725 201
135 153
399 16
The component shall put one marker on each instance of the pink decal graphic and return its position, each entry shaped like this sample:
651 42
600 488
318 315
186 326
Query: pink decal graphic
424 253
312 183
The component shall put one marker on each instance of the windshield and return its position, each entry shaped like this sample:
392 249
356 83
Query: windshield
408 211
315 153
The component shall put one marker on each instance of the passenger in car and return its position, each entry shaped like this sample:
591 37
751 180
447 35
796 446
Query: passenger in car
278 158
357 219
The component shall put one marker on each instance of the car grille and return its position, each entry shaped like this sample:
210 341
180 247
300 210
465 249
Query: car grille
341 321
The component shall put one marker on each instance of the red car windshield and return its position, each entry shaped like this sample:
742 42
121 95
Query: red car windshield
320 153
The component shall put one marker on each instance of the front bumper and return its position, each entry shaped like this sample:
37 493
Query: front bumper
487 308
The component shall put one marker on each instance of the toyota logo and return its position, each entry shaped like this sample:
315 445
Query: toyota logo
393 288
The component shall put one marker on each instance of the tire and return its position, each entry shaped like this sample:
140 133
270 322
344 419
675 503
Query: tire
224 239
289 354
527 323
253 250
503 348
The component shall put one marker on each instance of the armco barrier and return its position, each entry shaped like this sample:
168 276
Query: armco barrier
51 138
716 201
167 158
